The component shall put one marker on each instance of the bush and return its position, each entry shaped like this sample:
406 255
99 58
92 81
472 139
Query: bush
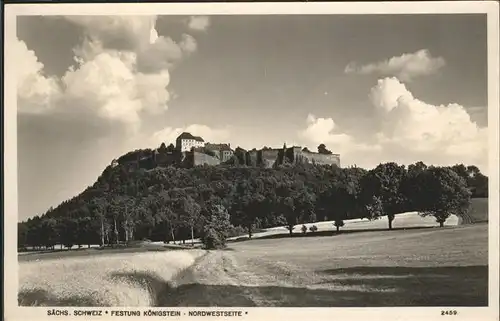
213 240
313 228
216 229
304 229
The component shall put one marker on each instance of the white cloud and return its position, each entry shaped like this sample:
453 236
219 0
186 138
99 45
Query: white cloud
99 109
213 135
188 44
162 54
405 67
35 92
320 130
441 134
122 71
323 130
411 131
200 23
118 32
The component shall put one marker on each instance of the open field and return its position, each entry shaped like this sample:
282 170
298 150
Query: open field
114 280
419 267
416 264
429 267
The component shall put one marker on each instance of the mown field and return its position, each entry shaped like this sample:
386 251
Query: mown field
420 266
113 280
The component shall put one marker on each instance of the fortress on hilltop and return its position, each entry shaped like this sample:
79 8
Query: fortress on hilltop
190 151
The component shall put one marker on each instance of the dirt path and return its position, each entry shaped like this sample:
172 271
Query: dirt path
353 271
230 278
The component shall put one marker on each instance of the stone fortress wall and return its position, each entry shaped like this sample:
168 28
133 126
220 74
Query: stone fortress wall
266 157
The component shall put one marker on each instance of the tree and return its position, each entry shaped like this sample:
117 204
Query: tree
87 232
247 206
304 205
446 193
476 181
190 212
288 209
412 187
338 223
100 206
123 210
217 226
48 232
322 150
375 208
68 231
384 182
170 148
22 235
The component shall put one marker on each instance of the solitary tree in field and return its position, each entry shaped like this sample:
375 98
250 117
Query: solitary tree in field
446 193
384 182
289 213
338 223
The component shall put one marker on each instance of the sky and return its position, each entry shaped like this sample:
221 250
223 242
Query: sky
372 88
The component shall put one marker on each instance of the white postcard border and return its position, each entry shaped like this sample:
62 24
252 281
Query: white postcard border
13 312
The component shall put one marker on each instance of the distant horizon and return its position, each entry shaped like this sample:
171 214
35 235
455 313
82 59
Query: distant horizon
372 88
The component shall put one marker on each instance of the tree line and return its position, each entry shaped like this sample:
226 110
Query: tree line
214 202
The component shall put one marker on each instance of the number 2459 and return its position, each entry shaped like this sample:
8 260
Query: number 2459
449 312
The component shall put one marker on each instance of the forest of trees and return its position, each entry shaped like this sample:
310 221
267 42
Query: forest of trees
179 204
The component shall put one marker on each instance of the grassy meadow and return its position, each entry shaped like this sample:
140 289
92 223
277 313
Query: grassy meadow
114 280
417 264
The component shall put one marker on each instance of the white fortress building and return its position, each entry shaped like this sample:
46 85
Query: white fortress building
186 141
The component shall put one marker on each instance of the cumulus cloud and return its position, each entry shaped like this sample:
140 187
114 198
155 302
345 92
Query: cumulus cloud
410 131
123 33
404 67
188 44
320 130
324 130
426 129
97 110
121 72
35 91
199 23
215 135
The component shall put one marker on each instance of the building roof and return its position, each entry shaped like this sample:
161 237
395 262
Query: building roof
219 147
186 135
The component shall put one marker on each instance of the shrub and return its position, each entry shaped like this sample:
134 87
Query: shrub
304 229
313 228
216 229
212 240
